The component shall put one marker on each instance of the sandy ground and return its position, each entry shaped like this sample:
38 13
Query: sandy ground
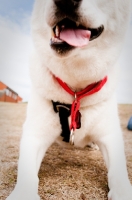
78 174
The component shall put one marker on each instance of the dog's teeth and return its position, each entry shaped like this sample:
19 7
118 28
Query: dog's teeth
57 31
56 40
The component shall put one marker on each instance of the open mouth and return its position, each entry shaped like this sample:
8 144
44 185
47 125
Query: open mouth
68 34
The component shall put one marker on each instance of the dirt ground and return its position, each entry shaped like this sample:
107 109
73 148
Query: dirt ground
78 174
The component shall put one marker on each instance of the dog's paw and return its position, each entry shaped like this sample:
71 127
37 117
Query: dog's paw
92 146
120 194
19 196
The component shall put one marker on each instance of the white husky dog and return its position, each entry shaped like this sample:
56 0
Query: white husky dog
74 75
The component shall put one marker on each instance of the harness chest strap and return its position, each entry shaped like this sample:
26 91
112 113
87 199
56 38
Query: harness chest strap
89 90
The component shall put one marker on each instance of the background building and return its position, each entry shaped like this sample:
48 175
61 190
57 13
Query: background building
8 95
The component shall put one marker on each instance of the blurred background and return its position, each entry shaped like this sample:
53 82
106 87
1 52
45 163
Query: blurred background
16 47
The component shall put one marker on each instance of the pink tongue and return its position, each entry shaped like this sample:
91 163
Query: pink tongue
75 37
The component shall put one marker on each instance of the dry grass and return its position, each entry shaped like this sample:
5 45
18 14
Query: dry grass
65 174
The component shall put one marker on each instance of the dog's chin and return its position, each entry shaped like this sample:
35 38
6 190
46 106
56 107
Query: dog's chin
61 49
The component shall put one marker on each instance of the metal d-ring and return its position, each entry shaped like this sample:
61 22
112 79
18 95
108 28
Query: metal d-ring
75 96
72 137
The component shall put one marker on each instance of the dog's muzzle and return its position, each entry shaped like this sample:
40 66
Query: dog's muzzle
68 32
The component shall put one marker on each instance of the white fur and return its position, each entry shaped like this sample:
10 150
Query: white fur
78 68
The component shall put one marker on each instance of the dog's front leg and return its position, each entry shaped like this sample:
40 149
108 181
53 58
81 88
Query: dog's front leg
40 131
112 147
31 153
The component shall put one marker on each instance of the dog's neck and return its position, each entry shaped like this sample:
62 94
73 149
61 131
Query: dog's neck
89 90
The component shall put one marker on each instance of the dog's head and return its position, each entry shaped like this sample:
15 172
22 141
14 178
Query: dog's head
92 30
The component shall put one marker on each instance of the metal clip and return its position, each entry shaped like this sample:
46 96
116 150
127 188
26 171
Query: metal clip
72 137
75 97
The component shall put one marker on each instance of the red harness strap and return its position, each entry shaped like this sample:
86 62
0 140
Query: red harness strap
89 90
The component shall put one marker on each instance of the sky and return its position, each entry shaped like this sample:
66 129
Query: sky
16 47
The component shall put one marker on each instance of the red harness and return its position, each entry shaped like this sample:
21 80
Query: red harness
89 90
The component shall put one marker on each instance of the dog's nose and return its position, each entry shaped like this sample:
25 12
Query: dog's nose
67 4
